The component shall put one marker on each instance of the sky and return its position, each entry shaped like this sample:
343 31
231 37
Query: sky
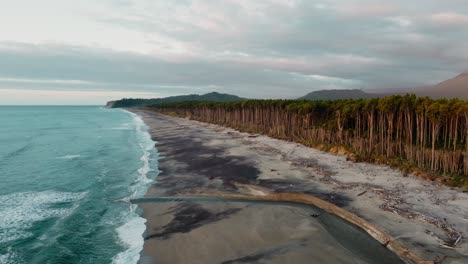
89 52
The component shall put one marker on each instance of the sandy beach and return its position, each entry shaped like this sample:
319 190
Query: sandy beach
426 217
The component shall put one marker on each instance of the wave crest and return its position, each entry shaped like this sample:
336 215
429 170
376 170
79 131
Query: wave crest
21 210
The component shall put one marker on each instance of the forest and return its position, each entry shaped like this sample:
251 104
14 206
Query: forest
139 102
415 134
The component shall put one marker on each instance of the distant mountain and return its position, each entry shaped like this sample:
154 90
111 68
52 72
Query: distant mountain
214 97
338 94
456 87
453 88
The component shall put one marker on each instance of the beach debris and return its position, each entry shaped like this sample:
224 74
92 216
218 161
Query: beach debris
315 215
361 193
454 244
446 246
458 240
386 243
439 260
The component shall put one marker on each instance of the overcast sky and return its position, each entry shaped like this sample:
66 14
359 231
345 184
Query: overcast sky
88 51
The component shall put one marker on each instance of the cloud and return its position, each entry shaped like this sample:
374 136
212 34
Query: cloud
65 82
60 97
450 19
400 21
65 66
269 48
367 10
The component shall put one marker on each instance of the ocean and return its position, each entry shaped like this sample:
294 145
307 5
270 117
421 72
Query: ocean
66 176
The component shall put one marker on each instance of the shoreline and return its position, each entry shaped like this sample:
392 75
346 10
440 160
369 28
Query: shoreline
423 216
130 232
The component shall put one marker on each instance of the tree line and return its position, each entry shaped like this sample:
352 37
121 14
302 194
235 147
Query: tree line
413 131
138 102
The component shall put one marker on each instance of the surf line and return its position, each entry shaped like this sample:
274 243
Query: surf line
386 240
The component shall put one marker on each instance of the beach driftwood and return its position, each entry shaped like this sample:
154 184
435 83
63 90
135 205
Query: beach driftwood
361 193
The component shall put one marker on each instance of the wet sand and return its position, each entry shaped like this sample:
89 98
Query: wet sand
202 158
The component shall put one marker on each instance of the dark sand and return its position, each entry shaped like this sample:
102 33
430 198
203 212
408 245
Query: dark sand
202 158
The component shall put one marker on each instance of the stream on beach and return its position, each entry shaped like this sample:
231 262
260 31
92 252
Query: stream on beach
249 231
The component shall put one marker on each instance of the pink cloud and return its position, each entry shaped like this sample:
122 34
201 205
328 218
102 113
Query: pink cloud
65 97
368 10
450 19
283 64
306 65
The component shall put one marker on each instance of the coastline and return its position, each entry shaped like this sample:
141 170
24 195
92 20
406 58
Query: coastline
131 231
424 216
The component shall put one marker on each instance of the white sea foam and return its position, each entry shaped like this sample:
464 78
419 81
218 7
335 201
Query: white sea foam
67 157
10 257
147 148
125 126
21 210
131 233
143 171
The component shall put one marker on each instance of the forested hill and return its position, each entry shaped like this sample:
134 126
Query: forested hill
338 94
212 97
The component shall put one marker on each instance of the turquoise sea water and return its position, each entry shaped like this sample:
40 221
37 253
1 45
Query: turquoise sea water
65 174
